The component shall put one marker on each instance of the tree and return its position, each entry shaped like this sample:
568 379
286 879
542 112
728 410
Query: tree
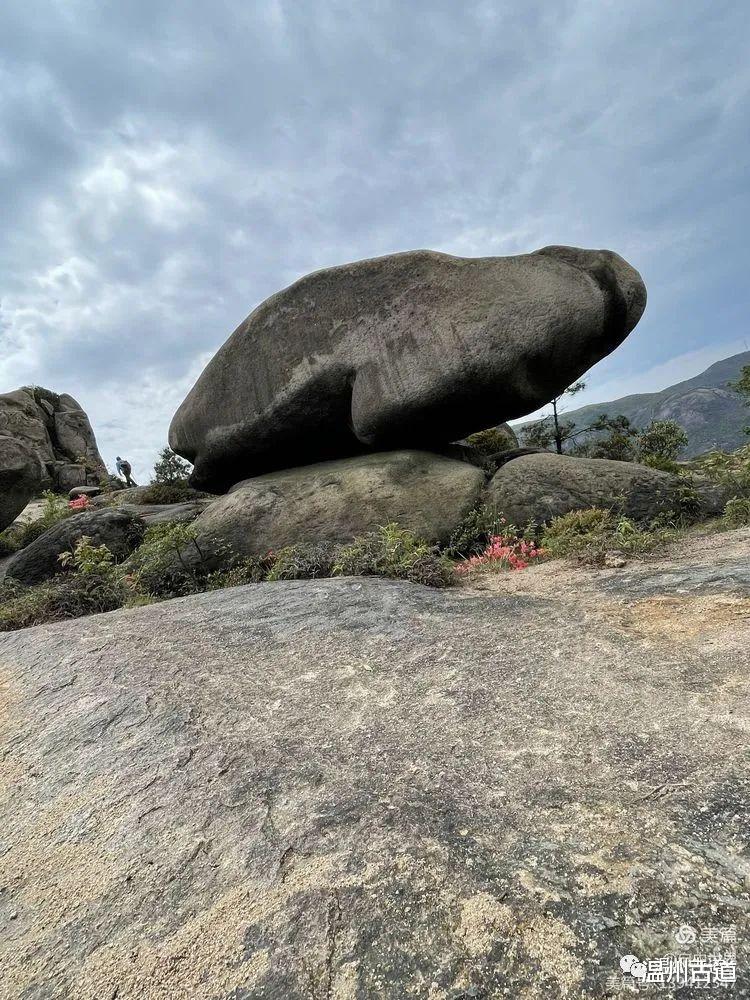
170 468
661 442
742 386
551 428
620 441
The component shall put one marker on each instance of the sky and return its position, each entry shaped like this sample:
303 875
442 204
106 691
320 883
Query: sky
168 164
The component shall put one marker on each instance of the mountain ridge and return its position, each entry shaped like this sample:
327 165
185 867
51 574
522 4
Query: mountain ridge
712 415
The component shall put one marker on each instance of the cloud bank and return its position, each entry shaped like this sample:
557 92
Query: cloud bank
168 164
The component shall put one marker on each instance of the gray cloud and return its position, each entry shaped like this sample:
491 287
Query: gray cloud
169 164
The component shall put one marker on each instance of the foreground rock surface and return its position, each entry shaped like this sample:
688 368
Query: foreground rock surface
120 530
56 429
541 486
336 501
409 350
358 788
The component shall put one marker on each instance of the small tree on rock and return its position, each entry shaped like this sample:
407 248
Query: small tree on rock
170 468
551 429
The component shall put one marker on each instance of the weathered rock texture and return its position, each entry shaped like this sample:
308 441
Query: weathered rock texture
335 501
56 429
358 789
545 485
20 478
120 530
409 350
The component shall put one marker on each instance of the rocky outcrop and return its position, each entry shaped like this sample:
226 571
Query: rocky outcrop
57 431
367 789
121 531
410 350
336 501
20 478
541 486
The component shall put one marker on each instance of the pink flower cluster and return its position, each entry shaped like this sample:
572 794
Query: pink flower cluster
80 503
504 552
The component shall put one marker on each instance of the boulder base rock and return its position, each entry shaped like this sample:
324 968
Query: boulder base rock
411 350
121 531
541 486
334 501
20 478
357 789
57 430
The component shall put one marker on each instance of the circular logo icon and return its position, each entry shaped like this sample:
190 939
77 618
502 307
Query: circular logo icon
627 962
685 934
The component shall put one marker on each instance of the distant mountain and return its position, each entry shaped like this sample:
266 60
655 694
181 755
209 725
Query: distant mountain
712 415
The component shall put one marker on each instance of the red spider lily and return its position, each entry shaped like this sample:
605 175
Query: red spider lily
504 552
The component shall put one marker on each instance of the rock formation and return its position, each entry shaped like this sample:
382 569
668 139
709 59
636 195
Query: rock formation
56 430
541 486
20 478
121 531
335 501
411 350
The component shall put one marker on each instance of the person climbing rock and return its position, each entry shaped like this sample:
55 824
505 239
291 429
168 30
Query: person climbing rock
124 469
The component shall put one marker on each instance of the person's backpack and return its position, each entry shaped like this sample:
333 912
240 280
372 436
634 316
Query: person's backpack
125 468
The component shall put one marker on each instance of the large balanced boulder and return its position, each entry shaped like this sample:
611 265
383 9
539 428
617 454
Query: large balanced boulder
335 501
121 531
539 487
368 790
20 478
410 350
57 430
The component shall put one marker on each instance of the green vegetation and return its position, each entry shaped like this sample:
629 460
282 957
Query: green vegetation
551 429
176 491
491 441
660 444
475 531
170 468
742 386
737 513
91 585
394 552
18 536
303 562
589 534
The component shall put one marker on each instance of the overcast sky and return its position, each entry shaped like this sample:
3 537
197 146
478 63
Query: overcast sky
167 164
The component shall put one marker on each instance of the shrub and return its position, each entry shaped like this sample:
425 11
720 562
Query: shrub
242 572
736 513
303 562
174 491
54 510
10 542
394 552
491 441
170 562
91 586
589 534
473 533
730 469
503 552
71 596
660 462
